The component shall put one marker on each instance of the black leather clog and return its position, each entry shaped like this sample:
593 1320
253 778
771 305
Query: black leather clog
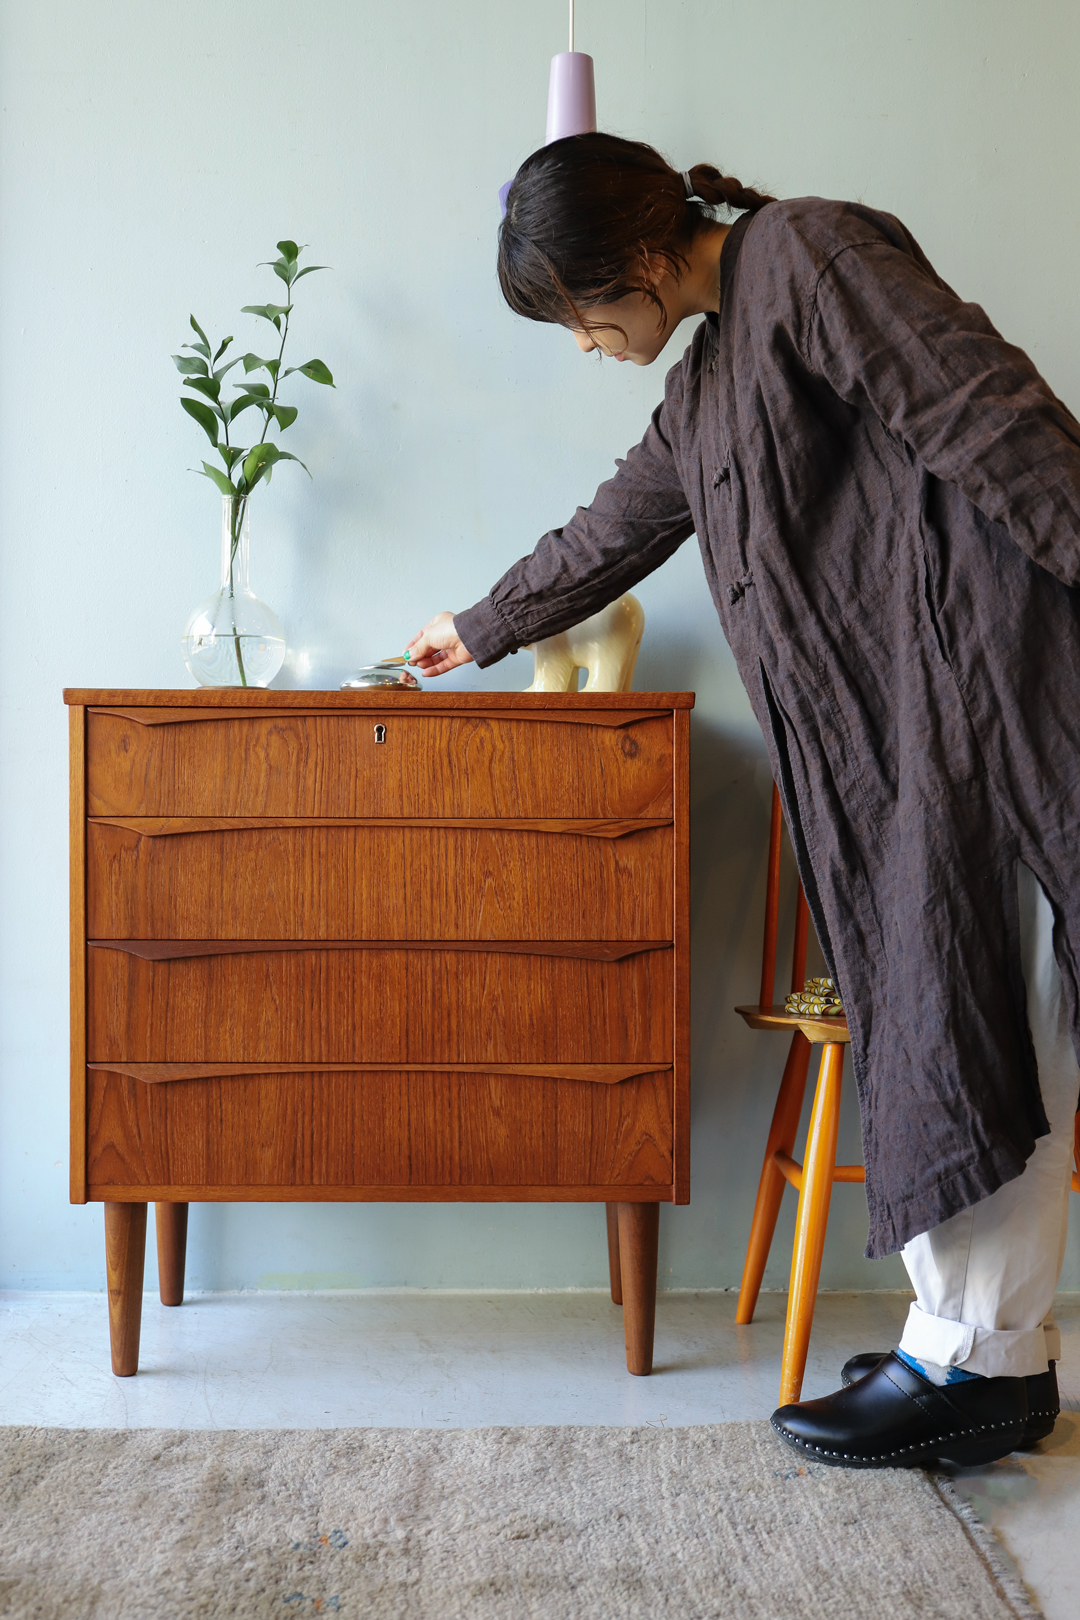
894 1418
1044 1405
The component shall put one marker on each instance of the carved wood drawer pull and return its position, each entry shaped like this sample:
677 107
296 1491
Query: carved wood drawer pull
610 718
172 950
180 826
607 1074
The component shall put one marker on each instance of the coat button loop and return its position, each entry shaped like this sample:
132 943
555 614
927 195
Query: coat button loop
721 476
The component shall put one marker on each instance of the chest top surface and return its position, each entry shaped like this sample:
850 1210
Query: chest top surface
423 701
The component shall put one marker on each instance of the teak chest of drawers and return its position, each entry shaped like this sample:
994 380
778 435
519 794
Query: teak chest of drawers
358 945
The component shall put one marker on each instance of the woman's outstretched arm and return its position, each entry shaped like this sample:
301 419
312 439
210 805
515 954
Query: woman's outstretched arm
634 523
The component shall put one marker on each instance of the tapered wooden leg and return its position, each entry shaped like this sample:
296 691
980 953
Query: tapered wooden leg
639 1228
614 1263
782 1134
813 1218
171 1222
125 1251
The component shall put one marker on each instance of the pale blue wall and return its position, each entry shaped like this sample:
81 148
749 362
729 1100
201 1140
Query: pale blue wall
150 155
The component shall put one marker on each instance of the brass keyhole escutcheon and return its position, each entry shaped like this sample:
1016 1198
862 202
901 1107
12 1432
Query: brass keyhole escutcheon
380 734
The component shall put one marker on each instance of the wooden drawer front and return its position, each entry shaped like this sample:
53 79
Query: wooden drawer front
379 1005
385 1129
331 765
366 882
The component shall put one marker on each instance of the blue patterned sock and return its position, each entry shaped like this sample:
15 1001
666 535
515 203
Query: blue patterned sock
932 1374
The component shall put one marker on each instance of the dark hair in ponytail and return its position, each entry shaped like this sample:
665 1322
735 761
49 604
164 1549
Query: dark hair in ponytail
585 214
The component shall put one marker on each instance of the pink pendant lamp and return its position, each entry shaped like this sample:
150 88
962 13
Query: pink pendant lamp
571 108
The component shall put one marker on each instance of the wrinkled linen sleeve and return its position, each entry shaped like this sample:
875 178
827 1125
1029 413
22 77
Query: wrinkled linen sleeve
635 522
972 408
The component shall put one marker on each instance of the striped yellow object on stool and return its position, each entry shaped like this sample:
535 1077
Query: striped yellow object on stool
818 998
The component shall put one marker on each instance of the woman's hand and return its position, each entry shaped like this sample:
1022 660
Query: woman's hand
438 647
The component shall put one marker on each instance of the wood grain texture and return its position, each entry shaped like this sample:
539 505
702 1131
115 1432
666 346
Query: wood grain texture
77 951
175 950
375 882
639 1227
602 1074
395 1005
798 947
372 700
778 1018
125 1251
372 1129
656 1193
329 765
176 826
781 1140
171 1224
811 1221
449 966
680 965
772 905
187 717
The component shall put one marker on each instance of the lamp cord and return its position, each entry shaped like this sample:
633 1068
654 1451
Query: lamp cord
571 24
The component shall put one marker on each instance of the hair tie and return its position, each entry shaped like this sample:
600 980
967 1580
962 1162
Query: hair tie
691 194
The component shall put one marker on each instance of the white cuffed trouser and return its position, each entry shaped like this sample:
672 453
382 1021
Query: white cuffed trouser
984 1280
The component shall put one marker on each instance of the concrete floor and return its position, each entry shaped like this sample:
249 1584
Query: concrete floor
459 1360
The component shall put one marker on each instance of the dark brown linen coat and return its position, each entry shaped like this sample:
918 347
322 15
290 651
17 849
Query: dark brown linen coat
887 499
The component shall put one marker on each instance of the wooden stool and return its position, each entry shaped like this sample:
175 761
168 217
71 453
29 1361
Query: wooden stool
814 1178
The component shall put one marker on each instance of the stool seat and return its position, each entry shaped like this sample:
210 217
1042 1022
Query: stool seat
826 1030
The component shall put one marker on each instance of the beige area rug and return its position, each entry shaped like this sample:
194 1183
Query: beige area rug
707 1523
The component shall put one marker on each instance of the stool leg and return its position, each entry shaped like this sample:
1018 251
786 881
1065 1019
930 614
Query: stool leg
125 1251
614 1263
639 1228
782 1134
171 1221
817 1181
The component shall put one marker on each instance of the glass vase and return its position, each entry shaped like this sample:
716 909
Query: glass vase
233 639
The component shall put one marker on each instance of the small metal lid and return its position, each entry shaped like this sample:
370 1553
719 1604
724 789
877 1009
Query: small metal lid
392 675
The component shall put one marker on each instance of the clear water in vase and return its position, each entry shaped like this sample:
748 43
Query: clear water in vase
232 638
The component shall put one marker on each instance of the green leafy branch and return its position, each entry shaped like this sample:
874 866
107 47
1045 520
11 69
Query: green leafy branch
246 466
